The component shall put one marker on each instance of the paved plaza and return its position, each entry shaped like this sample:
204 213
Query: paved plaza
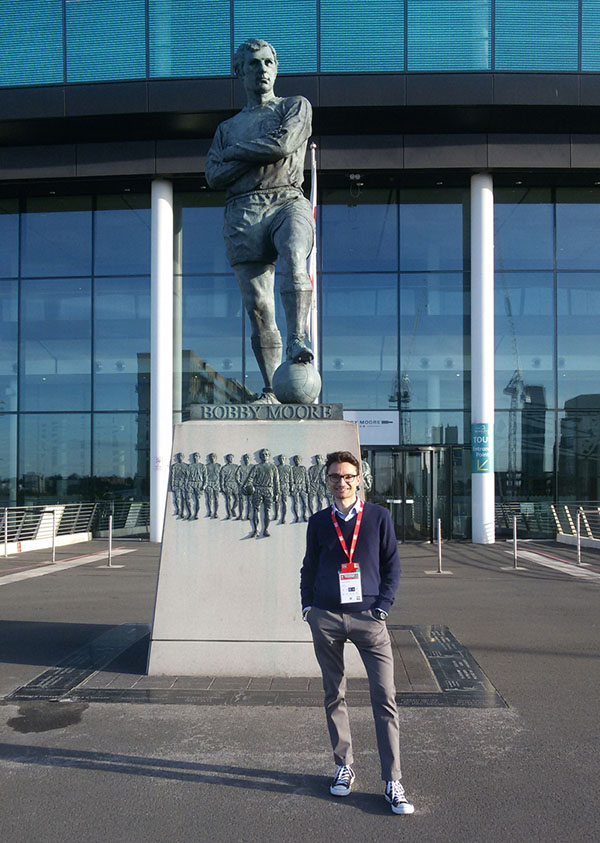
498 685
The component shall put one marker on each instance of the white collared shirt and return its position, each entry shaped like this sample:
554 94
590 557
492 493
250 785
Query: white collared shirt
346 516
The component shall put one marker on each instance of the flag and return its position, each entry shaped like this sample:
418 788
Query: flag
312 324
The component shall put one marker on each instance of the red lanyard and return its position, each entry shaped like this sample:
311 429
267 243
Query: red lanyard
359 516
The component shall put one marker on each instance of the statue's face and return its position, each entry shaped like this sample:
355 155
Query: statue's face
265 455
245 458
196 457
212 457
282 459
320 459
229 458
259 71
297 460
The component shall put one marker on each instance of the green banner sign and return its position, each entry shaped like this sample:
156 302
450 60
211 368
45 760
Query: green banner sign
482 448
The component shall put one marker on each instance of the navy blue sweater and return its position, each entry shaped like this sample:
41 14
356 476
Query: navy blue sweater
376 553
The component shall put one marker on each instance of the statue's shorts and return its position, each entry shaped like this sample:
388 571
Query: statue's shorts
262 496
252 220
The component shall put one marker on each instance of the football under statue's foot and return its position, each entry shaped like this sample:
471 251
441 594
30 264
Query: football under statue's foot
297 350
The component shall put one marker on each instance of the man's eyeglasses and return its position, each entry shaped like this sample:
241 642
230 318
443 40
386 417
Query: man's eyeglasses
335 478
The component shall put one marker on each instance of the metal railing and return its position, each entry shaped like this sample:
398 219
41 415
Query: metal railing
534 520
547 520
44 523
581 519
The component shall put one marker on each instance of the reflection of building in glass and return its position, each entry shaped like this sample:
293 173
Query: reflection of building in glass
34 484
533 441
579 449
201 384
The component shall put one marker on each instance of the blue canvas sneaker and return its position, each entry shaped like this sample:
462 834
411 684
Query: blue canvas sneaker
394 793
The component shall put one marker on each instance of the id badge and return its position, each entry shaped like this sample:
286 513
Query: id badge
350 585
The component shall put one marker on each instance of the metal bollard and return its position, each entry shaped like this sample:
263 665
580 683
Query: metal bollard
515 548
110 523
439 544
579 536
54 535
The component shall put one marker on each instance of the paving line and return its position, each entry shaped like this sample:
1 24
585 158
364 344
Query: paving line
53 568
564 567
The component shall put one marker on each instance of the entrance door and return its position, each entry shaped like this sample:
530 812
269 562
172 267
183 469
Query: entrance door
416 485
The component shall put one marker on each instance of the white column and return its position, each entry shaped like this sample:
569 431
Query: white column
161 350
482 359
177 316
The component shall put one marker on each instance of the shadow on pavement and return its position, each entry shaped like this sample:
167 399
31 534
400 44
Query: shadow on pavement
44 642
247 778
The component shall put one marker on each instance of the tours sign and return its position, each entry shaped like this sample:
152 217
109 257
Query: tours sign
482 449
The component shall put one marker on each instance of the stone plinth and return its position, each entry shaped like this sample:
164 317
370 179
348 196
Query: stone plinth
228 603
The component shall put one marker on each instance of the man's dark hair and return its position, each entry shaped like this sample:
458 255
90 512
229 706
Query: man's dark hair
341 456
247 48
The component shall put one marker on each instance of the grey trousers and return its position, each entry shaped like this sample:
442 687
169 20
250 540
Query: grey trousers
330 630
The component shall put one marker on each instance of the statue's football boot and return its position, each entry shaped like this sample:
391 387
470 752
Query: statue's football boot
297 351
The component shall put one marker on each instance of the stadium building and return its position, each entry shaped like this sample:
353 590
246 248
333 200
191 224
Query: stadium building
458 148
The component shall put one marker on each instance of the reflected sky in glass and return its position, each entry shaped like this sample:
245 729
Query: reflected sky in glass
359 232
56 237
56 334
578 299
212 340
202 244
523 229
577 227
9 238
434 344
8 344
360 340
431 230
524 337
122 234
121 342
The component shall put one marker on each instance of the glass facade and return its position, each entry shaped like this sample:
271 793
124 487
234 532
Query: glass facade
291 27
105 40
449 36
395 334
74 348
189 39
547 307
379 48
54 41
536 35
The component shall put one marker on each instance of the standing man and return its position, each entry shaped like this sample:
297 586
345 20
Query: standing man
212 486
229 487
299 489
196 478
258 157
241 475
348 581
285 478
177 484
263 485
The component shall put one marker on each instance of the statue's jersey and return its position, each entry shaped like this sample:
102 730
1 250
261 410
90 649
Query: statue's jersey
269 142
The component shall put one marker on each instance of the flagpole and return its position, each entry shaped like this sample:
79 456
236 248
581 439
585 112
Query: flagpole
313 324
